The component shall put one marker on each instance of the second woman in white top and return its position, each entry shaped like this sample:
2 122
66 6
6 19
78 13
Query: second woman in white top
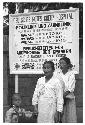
67 77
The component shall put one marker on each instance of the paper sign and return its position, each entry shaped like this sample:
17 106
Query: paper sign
37 37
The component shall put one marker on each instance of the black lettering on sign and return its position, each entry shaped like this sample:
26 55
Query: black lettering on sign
28 66
65 16
48 17
35 56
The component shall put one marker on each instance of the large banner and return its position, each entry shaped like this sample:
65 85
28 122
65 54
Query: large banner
37 37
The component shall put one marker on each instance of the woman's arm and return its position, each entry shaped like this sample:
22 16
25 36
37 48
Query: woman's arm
36 94
65 94
71 82
59 94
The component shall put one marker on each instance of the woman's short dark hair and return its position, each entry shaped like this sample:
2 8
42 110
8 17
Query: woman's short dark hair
51 63
67 60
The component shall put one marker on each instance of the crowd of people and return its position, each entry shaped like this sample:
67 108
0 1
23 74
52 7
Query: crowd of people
53 98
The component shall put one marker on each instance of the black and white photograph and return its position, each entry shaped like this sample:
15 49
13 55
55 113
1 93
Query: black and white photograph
42 62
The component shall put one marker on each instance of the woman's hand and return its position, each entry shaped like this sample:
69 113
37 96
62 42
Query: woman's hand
35 109
59 117
65 94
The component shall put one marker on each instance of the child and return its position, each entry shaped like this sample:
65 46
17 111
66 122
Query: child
16 114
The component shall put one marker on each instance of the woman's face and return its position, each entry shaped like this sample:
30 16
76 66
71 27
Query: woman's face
47 69
63 65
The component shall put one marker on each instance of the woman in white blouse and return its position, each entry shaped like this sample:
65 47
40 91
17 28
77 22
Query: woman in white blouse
48 96
67 77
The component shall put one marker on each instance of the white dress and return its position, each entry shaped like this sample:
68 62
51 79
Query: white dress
49 97
68 81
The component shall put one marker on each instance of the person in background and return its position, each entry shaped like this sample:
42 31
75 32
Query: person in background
48 96
67 77
16 114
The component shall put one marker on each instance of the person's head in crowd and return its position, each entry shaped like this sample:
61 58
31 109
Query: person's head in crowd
16 99
48 68
65 64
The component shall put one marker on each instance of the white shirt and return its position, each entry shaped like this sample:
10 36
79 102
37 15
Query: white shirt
68 80
50 89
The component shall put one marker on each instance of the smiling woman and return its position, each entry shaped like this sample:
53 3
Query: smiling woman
48 96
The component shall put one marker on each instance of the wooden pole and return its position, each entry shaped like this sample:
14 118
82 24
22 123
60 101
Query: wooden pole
16 83
16 76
